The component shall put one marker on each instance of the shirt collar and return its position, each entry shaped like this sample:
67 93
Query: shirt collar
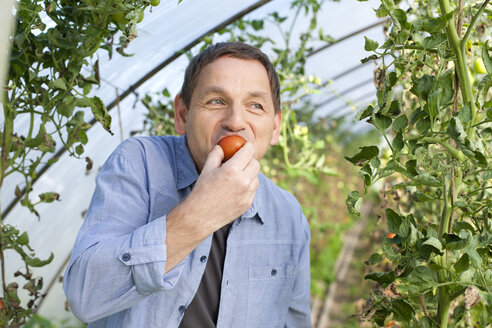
187 174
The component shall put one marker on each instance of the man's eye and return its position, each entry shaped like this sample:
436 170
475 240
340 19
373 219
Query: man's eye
216 102
257 106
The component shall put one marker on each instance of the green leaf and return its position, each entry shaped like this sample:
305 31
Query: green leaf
420 196
433 25
367 59
434 40
23 239
421 279
384 278
487 61
394 220
424 125
465 114
366 153
354 202
434 242
463 263
382 122
257 24
434 103
366 173
398 143
394 164
49 197
402 311
67 106
375 259
456 131
59 84
36 262
83 102
422 86
79 149
38 140
101 113
363 113
381 11
471 248
426 180
395 106
370 45
460 225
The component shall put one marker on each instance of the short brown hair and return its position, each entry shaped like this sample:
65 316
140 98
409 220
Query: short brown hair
232 49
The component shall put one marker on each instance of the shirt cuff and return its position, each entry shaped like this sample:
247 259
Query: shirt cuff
147 258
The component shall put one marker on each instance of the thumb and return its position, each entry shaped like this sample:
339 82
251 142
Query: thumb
214 159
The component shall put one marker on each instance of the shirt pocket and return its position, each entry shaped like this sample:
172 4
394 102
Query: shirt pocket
269 288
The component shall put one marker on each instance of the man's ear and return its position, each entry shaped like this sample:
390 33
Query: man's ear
277 124
180 112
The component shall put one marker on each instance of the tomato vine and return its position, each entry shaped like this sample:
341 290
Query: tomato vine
52 68
436 120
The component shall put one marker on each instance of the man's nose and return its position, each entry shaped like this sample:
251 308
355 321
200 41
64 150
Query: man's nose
234 118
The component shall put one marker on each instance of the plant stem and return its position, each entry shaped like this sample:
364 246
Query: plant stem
454 152
474 21
442 291
458 47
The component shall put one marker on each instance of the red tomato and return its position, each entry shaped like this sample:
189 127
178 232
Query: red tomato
390 235
230 145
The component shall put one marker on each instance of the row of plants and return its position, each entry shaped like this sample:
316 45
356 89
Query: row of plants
434 111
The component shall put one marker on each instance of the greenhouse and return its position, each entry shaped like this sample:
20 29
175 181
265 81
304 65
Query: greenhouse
385 141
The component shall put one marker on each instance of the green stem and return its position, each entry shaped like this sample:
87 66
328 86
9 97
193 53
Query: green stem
8 129
473 22
415 47
442 291
453 151
458 47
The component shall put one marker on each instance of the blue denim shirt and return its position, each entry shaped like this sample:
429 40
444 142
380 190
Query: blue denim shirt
115 277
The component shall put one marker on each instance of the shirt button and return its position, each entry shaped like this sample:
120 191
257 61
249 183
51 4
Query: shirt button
181 309
274 272
203 259
126 257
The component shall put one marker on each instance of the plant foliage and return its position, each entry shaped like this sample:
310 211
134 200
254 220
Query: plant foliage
435 114
51 74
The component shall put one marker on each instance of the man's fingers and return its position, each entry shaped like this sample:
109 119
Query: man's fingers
253 168
214 159
243 156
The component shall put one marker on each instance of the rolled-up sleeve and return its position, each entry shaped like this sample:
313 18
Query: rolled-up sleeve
120 254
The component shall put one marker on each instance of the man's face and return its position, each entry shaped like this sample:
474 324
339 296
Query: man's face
232 97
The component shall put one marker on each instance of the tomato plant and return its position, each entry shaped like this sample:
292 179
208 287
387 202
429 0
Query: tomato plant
52 71
436 121
230 145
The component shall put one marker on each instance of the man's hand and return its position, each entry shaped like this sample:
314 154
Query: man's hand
221 194
225 192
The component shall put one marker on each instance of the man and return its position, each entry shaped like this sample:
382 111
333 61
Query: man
176 238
